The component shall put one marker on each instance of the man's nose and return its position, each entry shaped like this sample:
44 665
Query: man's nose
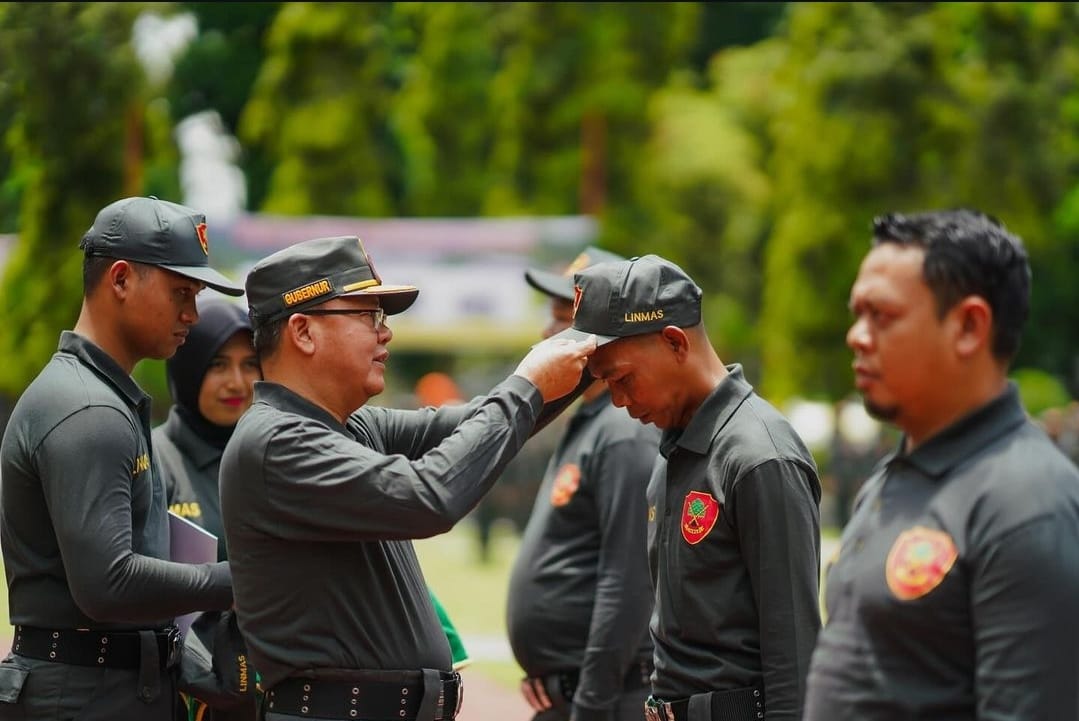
857 335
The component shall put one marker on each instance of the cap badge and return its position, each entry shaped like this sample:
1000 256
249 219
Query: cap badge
699 513
577 293
565 484
200 230
579 263
919 560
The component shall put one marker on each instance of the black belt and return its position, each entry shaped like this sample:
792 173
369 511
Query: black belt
741 704
89 647
369 699
638 675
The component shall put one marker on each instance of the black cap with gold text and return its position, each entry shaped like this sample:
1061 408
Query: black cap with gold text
560 285
156 232
314 271
632 297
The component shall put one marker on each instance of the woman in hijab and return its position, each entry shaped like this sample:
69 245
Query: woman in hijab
211 378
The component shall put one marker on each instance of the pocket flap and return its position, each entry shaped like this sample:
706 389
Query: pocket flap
12 677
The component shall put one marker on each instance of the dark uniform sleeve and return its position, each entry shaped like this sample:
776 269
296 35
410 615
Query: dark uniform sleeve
1024 587
362 493
623 590
779 530
89 458
414 432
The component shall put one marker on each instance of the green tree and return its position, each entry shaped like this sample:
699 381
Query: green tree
72 92
217 70
704 194
319 106
913 106
459 108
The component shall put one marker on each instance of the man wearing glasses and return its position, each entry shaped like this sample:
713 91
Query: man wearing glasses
322 494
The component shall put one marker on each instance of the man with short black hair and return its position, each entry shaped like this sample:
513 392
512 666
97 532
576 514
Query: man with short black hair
322 493
954 589
733 502
91 592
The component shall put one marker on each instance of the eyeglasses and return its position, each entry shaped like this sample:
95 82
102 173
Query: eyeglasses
378 315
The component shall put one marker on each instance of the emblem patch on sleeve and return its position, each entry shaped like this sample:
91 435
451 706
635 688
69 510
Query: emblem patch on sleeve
565 484
699 513
919 560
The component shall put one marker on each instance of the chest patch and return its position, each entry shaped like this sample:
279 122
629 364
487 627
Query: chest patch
565 484
699 513
919 560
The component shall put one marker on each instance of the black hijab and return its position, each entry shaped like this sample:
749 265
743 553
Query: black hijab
218 321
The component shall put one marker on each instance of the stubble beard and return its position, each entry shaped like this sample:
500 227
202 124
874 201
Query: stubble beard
887 414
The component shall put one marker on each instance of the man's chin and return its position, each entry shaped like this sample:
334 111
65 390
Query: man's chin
375 386
880 411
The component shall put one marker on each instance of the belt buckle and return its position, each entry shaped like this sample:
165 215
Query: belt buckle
175 642
460 693
658 710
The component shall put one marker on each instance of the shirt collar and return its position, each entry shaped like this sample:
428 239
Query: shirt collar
201 452
964 438
708 420
285 399
104 366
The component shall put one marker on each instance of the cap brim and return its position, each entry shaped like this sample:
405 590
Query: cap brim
554 284
578 335
392 298
209 276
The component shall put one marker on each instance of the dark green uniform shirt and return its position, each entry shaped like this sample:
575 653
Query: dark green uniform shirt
734 547
579 595
955 591
319 518
83 519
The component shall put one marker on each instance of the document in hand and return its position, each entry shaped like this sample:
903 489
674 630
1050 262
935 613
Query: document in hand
190 543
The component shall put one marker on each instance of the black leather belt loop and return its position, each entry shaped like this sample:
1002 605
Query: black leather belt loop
149 668
427 695
741 704
89 647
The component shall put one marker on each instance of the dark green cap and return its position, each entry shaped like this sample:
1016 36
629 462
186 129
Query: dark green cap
156 232
314 271
632 297
560 285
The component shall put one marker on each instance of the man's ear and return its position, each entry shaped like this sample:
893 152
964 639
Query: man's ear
301 333
675 340
974 325
119 276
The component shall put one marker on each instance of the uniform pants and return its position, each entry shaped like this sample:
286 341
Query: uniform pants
63 692
630 706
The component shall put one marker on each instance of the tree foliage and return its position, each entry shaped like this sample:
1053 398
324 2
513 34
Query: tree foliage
71 88
767 180
752 143
459 108
217 70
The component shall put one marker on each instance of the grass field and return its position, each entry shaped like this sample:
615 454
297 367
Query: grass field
474 593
